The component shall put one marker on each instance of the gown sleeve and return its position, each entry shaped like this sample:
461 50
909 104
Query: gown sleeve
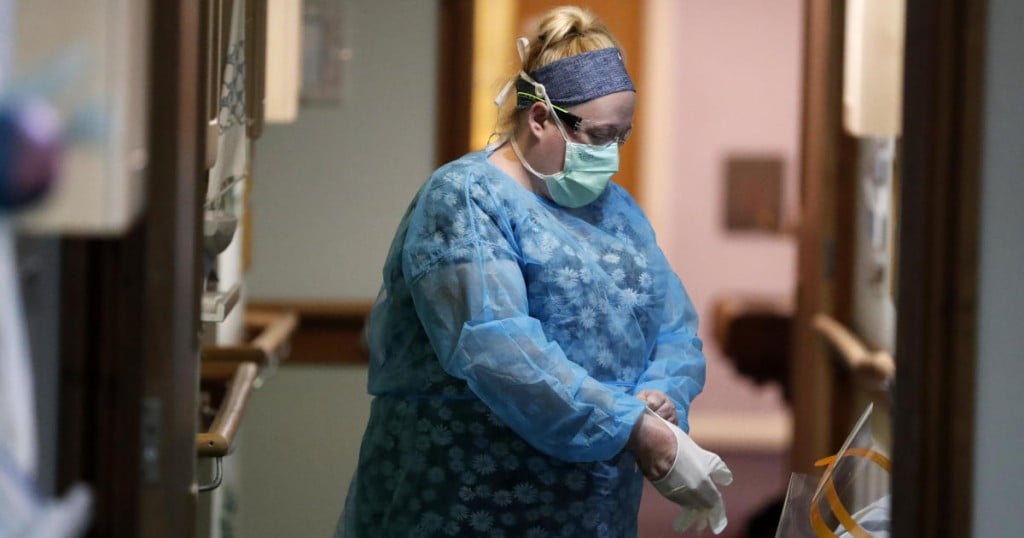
677 365
468 289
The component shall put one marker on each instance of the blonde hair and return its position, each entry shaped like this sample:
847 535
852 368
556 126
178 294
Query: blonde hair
560 33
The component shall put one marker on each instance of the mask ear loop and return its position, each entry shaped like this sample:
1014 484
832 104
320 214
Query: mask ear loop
542 92
521 44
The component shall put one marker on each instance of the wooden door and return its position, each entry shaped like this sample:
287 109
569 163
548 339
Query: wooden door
937 273
129 317
818 284
933 467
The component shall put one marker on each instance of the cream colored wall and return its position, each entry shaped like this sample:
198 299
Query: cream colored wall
723 77
328 193
329 190
302 435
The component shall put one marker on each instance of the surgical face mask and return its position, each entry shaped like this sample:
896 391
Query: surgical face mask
586 170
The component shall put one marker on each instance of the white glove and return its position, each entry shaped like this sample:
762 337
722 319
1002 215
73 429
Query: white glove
690 483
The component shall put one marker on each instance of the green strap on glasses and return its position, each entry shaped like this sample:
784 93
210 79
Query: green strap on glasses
572 121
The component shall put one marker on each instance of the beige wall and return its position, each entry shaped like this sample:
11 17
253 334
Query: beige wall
301 436
330 189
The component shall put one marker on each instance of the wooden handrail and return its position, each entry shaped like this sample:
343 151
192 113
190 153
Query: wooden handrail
277 333
268 347
879 365
329 332
241 365
217 442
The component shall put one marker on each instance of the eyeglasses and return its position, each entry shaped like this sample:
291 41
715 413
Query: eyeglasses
597 135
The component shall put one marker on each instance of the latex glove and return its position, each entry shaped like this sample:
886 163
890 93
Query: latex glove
691 483
660 403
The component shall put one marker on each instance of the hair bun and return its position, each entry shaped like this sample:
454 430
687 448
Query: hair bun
567 31
565 23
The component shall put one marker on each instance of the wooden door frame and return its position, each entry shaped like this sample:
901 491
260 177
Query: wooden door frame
811 373
936 349
101 363
454 78
173 224
933 411
129 315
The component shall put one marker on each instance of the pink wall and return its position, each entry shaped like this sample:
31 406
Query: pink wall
724 78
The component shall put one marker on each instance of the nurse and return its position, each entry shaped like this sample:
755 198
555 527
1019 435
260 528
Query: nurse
531 349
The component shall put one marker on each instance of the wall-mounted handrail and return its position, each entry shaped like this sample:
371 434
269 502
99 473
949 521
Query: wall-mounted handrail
242 365
329 332
270 346
217 441
277 330
878 365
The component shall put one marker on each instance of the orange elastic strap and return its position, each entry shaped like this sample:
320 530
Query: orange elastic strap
876 457
836 504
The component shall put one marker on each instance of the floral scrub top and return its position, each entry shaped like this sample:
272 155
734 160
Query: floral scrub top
506 345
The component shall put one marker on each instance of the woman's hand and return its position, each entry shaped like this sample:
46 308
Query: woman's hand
660 403
654 446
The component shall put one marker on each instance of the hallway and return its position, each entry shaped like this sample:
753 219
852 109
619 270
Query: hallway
197 198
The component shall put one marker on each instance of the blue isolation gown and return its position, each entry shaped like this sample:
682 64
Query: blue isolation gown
506 345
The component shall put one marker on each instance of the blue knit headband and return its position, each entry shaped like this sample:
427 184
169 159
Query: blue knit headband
580 78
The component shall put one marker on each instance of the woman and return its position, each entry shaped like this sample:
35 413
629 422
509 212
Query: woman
526 320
